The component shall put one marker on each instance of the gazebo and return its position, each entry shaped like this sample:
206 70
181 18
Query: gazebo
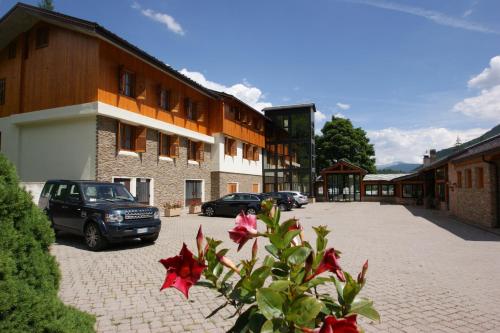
341 182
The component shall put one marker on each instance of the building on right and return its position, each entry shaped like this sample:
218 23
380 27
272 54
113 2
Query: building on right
290 159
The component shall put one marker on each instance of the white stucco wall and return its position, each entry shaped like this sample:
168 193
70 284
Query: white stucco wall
236 164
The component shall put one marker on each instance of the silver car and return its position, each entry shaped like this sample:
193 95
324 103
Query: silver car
299 198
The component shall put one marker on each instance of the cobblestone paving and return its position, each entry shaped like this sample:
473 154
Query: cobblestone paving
428 273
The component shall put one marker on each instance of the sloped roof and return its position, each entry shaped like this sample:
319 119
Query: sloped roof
343 161
291 106
383 177
486 146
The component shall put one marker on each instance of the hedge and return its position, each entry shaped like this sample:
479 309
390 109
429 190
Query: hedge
29 274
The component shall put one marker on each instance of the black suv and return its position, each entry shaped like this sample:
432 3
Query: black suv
283 200
101 212
232 204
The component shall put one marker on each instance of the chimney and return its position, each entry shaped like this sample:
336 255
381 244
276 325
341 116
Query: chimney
427 160
432 155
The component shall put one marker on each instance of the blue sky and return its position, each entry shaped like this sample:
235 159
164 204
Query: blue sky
413 74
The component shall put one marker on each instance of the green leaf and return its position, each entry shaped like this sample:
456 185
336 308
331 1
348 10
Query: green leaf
280 285
304 310
277 216
340 290
259 276
285 226
317 281
266 219
296 255
351 289
242 323
268 327
268 261
273 250
364 307
277 240
289 236
270 303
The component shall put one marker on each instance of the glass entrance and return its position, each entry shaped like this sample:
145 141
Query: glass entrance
193 192
343 187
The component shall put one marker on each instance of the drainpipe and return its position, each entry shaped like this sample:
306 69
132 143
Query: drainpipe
497 187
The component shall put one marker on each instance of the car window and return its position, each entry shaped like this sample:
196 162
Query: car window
74 193
106 192
254 198
61 192
245 197
229 197
47 189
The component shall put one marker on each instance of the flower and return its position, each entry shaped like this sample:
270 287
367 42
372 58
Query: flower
182 271
342 325
246 228
330 263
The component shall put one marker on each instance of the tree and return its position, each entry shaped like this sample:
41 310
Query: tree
46 4
339 140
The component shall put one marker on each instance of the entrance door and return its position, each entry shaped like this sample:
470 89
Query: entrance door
232 187
193 192
343 187
142 190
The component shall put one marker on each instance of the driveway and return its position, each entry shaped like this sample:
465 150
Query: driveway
428 273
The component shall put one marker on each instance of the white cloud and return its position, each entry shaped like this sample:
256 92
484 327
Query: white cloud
319 116
343 106
340 115
399 145
253 96
486 105
162 18
489 77
434 16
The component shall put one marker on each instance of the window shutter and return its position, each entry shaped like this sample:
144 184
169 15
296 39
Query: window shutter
255 153
141 88
175 101
121 79
233 147
186 106
159 143
159 90
118 136
174 146
140 139
201 109
244 116
194 111
200 151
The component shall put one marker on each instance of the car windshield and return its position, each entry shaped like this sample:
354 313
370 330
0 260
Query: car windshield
106 192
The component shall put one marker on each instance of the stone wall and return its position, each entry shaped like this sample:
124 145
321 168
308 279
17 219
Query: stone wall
168 176
221 179
473 204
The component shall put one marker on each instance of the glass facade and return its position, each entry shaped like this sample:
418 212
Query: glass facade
289 158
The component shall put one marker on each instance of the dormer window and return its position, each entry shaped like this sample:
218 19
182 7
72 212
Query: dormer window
42 37
127 83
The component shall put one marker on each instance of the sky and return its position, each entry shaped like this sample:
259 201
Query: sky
414 74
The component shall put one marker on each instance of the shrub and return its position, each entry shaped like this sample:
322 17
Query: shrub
29 274
279 293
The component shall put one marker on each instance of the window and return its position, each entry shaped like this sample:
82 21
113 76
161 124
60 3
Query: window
2 91
232 187
459 179
12 50
190 109
387 190
248 151
195 151
127 83
61 192
230 147
42 37
441 191
74 193
255 188
168 145
479 177
468 178
47 190
256 154
164 97
371 190
412 190
131 138
236 112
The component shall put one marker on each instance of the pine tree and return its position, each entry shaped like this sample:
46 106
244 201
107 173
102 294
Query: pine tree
46 4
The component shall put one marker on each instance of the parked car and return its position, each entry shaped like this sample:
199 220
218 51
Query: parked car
232 204
101 212
299 198
283 200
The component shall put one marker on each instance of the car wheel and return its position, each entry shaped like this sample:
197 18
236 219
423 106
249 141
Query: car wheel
150 239
282 207
251 211
209 211
296 204
93 238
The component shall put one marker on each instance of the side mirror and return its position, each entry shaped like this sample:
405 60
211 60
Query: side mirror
136 199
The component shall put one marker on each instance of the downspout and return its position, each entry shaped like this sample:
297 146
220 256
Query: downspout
497 187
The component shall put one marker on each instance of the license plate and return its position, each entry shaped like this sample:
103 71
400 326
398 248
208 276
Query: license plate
142 230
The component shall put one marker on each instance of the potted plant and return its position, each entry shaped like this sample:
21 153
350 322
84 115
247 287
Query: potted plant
283 290
195 206
172 209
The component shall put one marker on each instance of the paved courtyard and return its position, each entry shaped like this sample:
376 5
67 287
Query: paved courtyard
428 273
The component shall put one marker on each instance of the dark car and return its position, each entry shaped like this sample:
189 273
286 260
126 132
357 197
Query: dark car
232 204
284 200
101 212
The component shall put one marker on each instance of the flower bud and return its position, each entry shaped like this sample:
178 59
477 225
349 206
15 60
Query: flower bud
228 263
199 243
255 247
362 275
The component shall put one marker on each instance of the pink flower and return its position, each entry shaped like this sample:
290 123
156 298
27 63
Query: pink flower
245 229
330 263
342 325
182 271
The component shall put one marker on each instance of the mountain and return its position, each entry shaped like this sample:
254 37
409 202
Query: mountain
445 152
397 167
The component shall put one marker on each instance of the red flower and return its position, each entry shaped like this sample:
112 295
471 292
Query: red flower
246 228
330 263
342 325
182 271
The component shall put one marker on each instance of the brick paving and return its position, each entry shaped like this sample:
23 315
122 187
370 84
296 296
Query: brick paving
428 273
